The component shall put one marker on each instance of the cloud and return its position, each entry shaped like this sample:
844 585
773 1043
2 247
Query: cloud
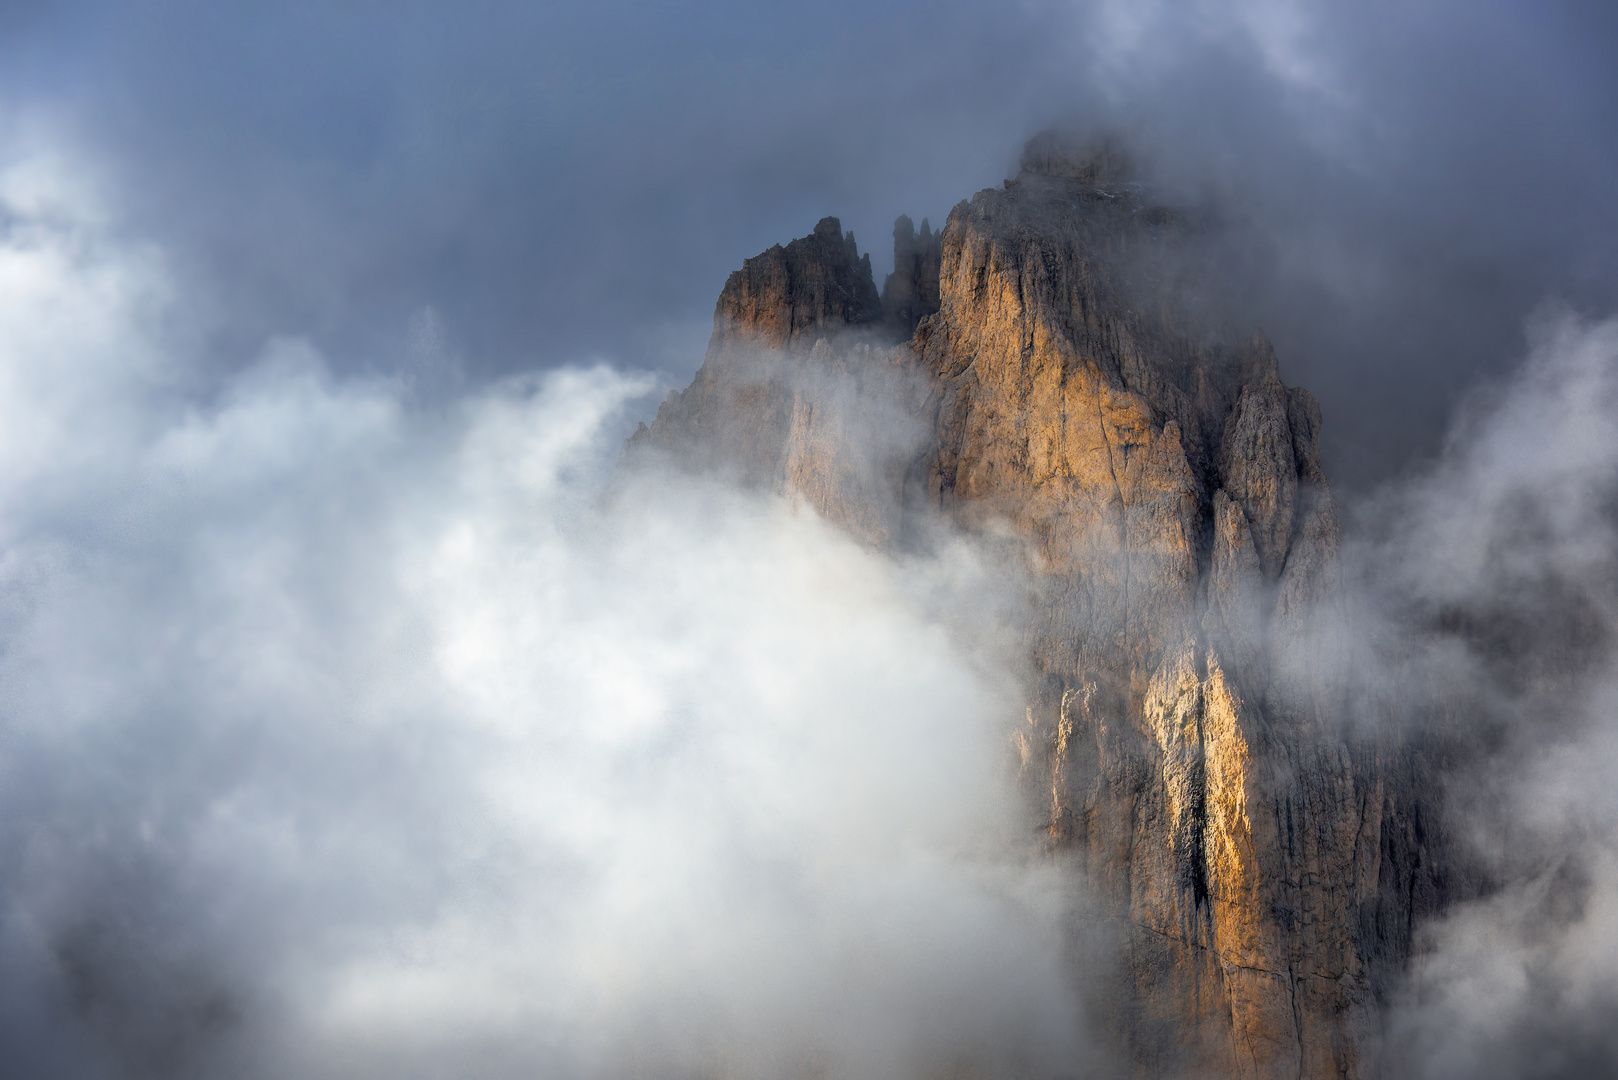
344 726
1496 572
346 734
1401 183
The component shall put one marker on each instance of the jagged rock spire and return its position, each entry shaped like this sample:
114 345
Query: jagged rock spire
910 293
789 297
1165 486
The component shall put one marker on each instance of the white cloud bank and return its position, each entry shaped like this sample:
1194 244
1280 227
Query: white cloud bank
342 737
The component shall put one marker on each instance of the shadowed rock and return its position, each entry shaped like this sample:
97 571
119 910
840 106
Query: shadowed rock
910 293
1163 487
802 389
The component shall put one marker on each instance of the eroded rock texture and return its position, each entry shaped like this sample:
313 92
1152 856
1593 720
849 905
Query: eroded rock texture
1172 490
1165 489
804 389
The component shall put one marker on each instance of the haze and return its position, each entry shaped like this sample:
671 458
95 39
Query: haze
545 184
359 717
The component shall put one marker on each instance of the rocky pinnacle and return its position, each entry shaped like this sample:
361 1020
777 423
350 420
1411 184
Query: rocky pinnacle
1032 368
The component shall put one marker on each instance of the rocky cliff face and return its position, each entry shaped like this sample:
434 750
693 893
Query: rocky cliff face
1256 870
803 389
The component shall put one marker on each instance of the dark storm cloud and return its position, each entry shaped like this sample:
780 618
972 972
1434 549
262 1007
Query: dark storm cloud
276 697
556 179
1404 182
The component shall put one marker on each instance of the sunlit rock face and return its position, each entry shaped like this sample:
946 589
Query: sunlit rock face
1162 489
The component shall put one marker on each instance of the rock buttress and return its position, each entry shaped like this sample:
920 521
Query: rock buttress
1255 868
1169 488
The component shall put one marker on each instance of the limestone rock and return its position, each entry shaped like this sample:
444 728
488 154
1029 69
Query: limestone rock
910 293
790 297
1169 487
802 390
1165 489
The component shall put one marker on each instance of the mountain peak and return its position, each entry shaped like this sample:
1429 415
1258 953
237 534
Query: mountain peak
1162 488
790 297
1090 159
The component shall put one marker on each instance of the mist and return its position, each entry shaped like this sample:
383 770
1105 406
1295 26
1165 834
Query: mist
359 715
348 734
1493 577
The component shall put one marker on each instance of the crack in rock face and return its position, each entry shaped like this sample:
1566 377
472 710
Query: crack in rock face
1029 374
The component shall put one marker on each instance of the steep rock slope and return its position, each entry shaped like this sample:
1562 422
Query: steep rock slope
1254 870
1171 491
